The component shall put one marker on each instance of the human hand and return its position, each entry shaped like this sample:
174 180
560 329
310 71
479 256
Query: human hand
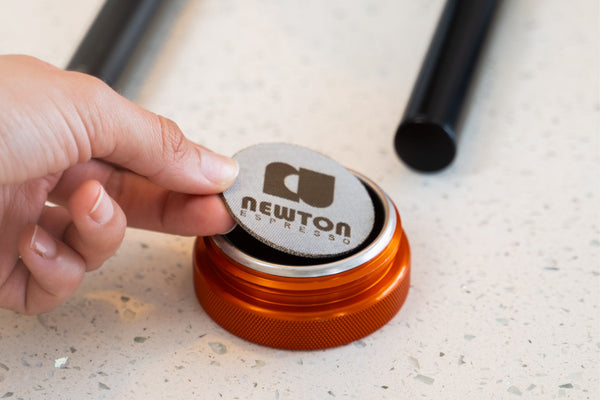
68 138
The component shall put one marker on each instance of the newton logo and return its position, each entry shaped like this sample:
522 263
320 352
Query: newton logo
299 201
314 188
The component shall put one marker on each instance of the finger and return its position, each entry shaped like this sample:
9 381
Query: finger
78 117
47 274
55 220
147 205
151 145
98 224
182 214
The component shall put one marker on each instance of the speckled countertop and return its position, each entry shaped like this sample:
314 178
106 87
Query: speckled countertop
505 283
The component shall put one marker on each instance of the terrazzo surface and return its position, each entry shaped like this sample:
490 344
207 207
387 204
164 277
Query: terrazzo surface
505 242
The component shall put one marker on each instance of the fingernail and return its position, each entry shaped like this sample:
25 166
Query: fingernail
42 243
233 226
102 210
218 168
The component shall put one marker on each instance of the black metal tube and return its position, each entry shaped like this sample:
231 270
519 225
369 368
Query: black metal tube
426 137
110 41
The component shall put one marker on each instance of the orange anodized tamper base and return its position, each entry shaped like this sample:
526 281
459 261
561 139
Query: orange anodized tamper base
295 302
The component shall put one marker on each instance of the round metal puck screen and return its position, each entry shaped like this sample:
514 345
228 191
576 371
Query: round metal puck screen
299 201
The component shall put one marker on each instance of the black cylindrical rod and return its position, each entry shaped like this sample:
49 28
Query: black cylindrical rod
426 137
110 41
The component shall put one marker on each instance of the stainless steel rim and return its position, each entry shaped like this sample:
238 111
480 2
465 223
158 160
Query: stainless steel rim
324 269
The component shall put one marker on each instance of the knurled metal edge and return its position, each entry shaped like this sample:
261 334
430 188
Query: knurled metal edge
309 334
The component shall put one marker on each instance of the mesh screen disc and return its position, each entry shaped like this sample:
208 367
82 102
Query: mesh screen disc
299 201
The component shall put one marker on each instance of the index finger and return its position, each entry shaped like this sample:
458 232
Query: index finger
149 144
